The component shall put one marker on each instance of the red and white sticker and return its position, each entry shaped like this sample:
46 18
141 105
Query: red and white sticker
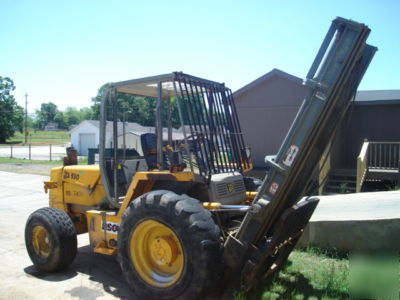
273 188
291 155
111 227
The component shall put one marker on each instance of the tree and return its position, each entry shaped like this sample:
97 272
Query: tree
97 101
87 113
61 120
73 116
11 114
46 114
136 109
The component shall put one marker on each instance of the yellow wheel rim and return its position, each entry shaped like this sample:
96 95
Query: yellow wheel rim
156 253
41 241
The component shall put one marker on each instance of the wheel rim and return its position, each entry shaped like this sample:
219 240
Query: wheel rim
156 253
41 241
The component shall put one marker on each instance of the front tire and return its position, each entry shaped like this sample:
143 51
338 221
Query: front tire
50 239
169 247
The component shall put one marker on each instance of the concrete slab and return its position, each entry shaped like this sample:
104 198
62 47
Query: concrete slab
91 276
358 206
361 235
356 222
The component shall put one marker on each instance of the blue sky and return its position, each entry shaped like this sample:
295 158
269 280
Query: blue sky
63 51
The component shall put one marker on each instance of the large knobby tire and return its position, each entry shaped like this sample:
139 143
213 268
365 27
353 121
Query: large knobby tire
50 239
169 247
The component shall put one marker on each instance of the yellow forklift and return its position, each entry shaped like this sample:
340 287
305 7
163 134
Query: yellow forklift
183 217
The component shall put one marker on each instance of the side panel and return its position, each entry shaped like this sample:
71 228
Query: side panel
103 231
82 185
55 185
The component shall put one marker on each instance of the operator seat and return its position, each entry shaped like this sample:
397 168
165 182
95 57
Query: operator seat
148 142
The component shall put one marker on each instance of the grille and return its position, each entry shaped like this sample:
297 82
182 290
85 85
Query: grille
229 188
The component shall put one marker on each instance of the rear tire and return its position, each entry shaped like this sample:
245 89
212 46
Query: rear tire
169 247
50 239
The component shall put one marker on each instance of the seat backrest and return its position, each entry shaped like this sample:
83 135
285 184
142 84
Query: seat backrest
149 148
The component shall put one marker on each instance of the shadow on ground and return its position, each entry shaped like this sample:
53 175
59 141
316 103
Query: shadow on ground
101 269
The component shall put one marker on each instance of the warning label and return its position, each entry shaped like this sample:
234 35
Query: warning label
273 188
290 155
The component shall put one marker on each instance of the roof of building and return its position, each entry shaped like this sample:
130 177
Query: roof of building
272 73
378 97
370 97
128 126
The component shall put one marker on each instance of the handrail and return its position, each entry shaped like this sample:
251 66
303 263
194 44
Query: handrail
384 155
362 165
377 156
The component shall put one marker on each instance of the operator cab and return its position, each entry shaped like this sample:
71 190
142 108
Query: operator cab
196 131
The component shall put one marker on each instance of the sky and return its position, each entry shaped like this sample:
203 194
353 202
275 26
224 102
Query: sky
64 51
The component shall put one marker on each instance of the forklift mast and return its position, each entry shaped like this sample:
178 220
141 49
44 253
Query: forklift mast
276 218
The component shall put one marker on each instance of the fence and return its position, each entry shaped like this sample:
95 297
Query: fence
47 152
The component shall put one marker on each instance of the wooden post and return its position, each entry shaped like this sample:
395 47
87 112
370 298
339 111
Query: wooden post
30 144
11 151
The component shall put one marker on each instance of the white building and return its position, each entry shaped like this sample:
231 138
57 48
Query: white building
86 135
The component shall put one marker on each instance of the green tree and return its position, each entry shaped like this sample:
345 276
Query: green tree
97 101
87 113
136 109
11 114
46 114
73 116
61 120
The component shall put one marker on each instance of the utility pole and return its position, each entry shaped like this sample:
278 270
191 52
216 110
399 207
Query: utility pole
26 118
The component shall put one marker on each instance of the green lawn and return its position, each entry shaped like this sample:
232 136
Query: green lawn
41 137
308 275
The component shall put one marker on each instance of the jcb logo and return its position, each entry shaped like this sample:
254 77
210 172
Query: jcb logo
230 187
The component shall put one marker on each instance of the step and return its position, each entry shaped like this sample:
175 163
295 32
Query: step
344 172
342 181
338 187
329 189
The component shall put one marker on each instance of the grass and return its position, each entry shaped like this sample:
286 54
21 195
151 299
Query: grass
41 137
308 274
7 160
